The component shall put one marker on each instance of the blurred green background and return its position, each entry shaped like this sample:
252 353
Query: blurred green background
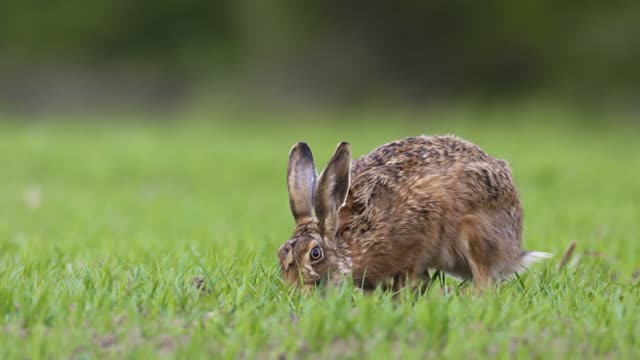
152 55
163 158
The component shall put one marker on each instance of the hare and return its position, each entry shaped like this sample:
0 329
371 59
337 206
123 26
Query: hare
408 206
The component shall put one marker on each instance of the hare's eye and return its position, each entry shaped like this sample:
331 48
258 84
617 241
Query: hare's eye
315 253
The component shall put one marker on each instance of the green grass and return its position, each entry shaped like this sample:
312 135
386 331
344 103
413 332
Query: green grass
103 227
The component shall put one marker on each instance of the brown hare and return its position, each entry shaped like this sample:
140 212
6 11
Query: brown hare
408 206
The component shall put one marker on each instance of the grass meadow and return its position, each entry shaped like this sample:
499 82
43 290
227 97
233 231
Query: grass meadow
104 226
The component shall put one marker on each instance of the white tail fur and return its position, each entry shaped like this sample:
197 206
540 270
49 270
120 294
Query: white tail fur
527 259
531 257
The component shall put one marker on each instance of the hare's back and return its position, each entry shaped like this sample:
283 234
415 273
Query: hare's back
420 156
438 168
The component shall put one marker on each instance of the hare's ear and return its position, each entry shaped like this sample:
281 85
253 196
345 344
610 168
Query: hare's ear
301 181
332 190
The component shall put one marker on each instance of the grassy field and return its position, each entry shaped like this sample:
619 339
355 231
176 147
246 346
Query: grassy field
104 227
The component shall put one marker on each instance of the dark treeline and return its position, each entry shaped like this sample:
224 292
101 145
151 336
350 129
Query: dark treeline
348 47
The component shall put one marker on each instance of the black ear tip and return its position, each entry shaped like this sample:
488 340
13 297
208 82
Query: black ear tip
343 146
301 148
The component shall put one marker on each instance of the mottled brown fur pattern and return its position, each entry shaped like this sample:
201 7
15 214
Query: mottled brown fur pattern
414 204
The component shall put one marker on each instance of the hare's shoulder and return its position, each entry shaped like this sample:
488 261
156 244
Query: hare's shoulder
369 191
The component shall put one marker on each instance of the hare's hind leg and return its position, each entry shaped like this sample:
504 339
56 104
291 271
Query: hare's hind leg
478 249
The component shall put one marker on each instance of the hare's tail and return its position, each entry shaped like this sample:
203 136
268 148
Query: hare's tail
527 259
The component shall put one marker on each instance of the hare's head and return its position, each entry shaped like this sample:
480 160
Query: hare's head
311 254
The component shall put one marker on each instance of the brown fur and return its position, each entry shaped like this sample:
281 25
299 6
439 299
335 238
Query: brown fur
414 204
